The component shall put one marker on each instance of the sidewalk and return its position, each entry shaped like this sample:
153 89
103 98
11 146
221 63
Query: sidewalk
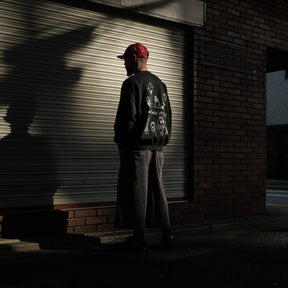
244 252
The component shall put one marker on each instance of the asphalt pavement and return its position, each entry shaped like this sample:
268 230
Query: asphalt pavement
277 192
277 197
241 252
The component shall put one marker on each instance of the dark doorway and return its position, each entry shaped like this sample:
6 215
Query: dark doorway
277 127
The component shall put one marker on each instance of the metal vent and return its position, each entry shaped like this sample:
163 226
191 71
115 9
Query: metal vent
224 54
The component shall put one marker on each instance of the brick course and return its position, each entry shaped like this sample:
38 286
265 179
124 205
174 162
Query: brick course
90 219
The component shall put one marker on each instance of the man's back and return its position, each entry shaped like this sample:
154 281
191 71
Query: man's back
143 119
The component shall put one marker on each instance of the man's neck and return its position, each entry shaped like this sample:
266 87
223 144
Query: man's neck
141 65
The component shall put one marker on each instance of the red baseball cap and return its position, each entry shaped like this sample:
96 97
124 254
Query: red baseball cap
138 49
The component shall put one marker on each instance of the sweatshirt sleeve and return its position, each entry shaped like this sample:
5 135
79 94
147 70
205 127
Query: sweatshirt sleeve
126 114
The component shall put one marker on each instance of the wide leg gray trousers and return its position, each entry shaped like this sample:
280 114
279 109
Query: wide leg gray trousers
141 196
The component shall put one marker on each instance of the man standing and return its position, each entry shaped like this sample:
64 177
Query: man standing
142 127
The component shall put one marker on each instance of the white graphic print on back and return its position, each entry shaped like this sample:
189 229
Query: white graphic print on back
156 122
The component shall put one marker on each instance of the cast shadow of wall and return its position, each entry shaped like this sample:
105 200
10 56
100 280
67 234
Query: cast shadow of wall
28 165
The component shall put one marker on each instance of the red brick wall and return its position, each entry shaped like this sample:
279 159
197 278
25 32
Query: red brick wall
90 220
230 111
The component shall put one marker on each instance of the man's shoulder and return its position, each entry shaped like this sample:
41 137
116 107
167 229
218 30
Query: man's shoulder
143 78
156 79
148 76
131 80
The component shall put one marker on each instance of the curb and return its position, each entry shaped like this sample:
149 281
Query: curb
78 242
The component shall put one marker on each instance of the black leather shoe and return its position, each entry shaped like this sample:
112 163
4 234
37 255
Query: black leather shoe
168 240
136 242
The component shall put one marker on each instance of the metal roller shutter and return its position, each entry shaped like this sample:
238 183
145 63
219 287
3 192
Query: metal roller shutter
61 78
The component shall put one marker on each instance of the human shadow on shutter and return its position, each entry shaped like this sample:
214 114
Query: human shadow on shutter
28 162
28 167
28 171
